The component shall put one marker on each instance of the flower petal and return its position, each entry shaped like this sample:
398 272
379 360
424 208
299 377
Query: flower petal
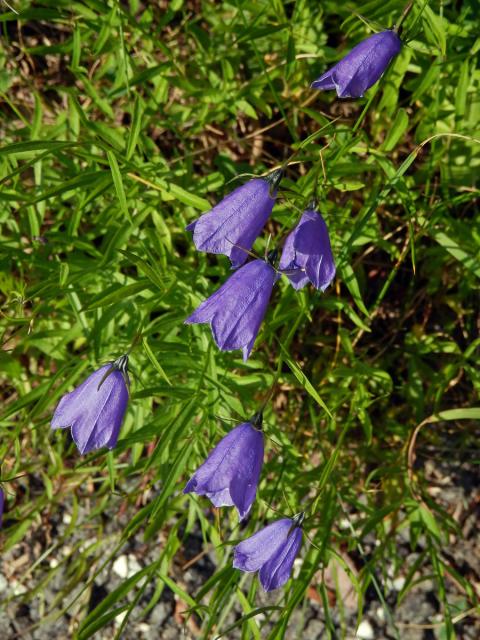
77 402
277 570
325 82
314 251
221 498
217 471
310 253
243 486
251 554
232 226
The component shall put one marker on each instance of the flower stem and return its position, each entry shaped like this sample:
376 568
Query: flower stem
408 7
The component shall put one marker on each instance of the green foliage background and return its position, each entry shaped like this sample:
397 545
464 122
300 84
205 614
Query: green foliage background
121 122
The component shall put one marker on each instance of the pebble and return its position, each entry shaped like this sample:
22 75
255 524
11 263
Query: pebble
161 612
380 613
120 566
297 565
399 583
365 631
126 566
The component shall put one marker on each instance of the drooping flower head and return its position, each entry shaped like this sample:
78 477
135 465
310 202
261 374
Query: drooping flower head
236 310
307 254
362 67
96 408
271 551
229 476
232 226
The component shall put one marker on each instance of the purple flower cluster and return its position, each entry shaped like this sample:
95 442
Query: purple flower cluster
229 477
236 310
230 474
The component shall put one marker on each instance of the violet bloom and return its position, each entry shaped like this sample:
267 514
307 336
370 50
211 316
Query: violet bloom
307 254
271 551
362 67
96 408
235 311
229 476
232 226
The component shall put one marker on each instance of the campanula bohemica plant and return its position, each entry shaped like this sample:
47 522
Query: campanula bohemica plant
171 164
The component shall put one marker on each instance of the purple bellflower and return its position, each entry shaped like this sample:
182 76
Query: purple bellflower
96 408
362 67
235 311
229 476
271 551
232 226
307 254
2 504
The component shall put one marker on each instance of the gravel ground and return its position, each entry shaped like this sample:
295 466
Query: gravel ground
453 487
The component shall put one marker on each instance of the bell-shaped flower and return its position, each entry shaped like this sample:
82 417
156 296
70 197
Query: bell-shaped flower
307 254
229 476
96 408
236 310
271 551
232 226
362 67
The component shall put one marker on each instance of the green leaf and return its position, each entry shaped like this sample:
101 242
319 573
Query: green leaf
349 278
397 130
304 381
154 361
118 182
135 127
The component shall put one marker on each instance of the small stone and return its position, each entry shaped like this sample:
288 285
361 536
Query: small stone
297 565
315 629
17 588
398 583
120 566
133 566
365 631
120 618
380 613
160 613
126 566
